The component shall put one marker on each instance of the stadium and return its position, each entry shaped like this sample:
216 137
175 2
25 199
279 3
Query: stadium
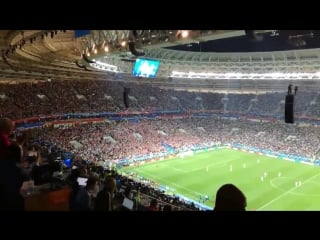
169 116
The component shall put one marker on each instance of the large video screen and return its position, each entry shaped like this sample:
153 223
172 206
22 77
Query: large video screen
145 68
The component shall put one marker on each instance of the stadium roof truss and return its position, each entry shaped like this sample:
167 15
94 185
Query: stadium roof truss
34 55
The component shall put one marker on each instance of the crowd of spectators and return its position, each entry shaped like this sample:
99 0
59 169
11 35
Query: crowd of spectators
113 141
121 140
142 137
24 100
106 190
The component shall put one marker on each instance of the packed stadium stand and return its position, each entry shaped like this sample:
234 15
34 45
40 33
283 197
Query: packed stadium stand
66 94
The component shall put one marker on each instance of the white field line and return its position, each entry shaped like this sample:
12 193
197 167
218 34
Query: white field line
286 193
177 169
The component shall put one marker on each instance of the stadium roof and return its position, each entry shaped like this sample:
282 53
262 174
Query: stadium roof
204 59
266 41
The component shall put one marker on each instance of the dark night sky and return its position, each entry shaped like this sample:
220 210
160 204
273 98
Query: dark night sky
245 44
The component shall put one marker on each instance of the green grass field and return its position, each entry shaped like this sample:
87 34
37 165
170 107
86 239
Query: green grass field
203 173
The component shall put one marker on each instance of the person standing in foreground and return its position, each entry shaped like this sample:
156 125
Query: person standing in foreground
11 179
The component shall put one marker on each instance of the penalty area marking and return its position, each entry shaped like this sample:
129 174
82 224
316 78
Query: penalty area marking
293 192
285 193
174 168
214 164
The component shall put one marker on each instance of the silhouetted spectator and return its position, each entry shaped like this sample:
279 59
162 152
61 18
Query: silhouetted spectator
167 208
6 128
153 205
11 179
83 200
72 181
104 200
230 198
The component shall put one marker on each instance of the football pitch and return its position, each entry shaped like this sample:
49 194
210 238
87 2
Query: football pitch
268 183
